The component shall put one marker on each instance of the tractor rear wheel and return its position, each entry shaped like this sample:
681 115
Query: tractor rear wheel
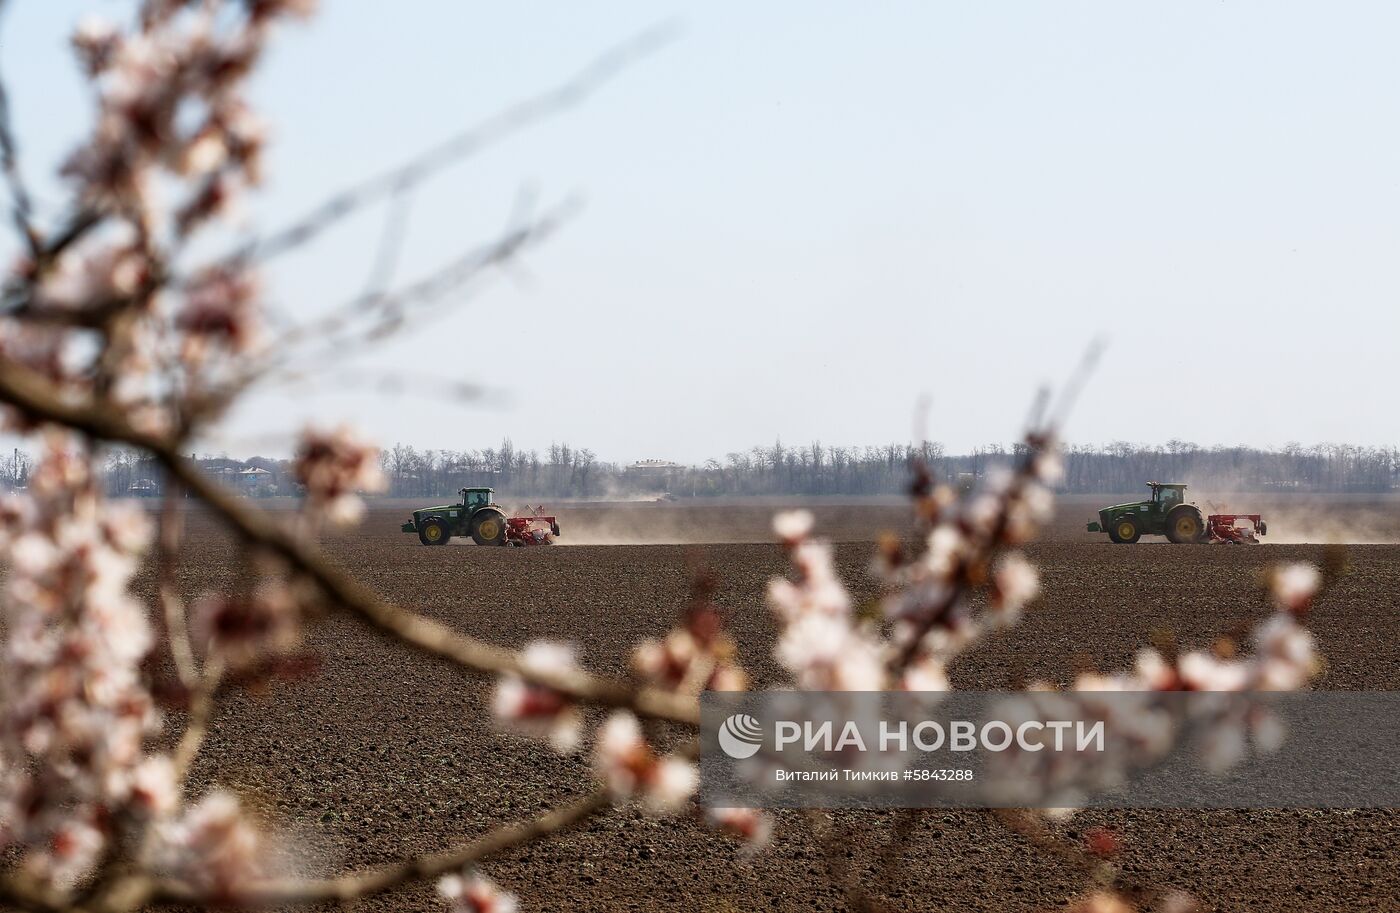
1124 530
1184 524
434 531
489 528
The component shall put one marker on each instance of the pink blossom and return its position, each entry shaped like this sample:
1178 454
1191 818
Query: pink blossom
926 673
1268 732
620 754
628 767
1286 655
947 547
1048 466
671 784
1223 747
537 710
95 275
219 313
248 628
1204 672
817 591
1178 901
127 529
213 846
687 660
72 850
74 702
819 597
475 894
753 827
204 153
334 466
1101 902
1031 506
982 513
1153 670
153 787
95 40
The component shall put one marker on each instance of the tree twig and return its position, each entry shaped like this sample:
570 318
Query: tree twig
23 207
388 877
469 142
176 630
201 709
384 311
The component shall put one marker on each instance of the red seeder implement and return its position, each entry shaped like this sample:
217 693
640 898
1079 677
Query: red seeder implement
1224 528
535 530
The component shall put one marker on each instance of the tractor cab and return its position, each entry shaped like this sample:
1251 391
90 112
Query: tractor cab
1166 495
475 498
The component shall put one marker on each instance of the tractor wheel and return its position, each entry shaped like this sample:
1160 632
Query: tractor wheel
489 528
1184 524
1124 530
434 531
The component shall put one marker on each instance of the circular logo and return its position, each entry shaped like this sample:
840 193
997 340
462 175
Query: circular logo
740 736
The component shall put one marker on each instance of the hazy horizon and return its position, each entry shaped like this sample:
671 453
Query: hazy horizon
800 220
984 449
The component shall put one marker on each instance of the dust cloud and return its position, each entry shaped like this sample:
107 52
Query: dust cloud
713 522
661 525
1335 519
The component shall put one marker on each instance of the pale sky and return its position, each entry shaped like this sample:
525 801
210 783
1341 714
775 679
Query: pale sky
799 218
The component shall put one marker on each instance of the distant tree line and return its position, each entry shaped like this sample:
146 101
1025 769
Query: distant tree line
564 471
819 469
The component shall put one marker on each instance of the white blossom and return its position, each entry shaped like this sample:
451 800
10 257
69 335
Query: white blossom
1294 585
825 653
1015 584
793 525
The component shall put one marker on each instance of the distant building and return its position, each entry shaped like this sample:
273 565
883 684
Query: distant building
654 466
255 479
143 488
652 474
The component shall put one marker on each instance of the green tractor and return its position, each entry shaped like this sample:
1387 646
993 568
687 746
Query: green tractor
1166 514
482 519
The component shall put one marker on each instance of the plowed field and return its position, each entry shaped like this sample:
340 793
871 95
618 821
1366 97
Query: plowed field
380 752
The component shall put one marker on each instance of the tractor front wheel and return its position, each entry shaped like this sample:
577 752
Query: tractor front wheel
434 532
489 528
1124 530
1184 524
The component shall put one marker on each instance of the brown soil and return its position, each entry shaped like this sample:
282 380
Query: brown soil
382 753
